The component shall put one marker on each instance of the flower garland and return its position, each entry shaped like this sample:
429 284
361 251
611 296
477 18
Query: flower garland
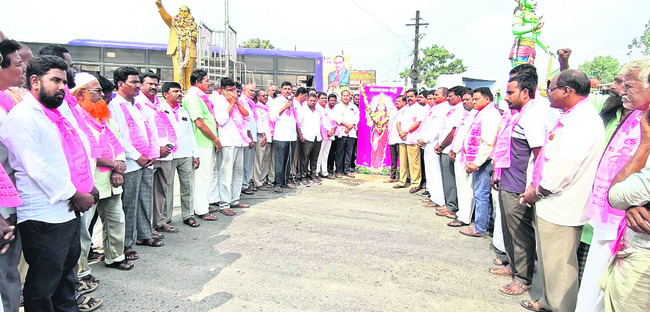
184 28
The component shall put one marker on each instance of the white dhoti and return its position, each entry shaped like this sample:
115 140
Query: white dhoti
465 192
202 179
433 174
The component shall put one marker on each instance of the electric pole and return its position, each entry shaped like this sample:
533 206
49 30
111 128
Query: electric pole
414 74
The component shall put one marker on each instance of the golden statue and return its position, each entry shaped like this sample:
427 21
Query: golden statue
182 42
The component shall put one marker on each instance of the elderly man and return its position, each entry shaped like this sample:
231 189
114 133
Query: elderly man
137 136
201 111
54 178
108 178
564 169
231 115
264 145
166 138
605 219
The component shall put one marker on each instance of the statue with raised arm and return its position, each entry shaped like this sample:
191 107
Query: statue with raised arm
183 33
526 27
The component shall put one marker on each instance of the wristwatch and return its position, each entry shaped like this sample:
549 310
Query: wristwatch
538 193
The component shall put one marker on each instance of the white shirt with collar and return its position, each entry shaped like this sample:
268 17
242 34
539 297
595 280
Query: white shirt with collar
412 114
285 124
451 120
395 115
228 133
42 175
429 130
132 155
348 114
162 138
264 121
182 124
251 123
462 131
573 154
311 124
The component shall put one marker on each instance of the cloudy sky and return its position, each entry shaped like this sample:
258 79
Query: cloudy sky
373 33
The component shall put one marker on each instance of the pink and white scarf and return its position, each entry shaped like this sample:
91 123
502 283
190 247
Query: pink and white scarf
144 146
74 150
473 139
77 111
108 142
163 125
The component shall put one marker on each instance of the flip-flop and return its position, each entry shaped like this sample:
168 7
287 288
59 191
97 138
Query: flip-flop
457 223
163 229
207 215
191 222
227 212
529 305
471 232
524 289
451 215
501 272
118 265
131 255
152 242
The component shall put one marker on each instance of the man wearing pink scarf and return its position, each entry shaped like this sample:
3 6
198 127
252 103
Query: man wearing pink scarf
231 117
563 176
137 136
264 145
53 176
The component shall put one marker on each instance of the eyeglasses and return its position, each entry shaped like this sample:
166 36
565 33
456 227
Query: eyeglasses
98 90
549 90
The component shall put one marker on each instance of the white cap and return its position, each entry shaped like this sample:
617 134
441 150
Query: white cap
81 79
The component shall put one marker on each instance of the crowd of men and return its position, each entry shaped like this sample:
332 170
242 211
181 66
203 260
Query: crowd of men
77 147
562 180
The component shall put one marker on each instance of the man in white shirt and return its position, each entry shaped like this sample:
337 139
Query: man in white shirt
326 145
428 134
300 104
393 136
48 175
332 99
464 180
137 136
476 151
233 133
166 138
264 143
346 116
313 126
450 123
185 154
409 152
562 179
283 114
246 98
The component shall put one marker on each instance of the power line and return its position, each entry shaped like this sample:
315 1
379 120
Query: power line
381 24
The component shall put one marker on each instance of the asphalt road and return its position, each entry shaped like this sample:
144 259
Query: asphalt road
346 245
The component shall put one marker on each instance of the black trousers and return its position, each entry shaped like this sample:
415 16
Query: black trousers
52 251
283 155
424 176
331 158
309 158
353 160
344 150
394 153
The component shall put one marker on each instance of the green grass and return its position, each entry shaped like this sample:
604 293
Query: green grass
366 170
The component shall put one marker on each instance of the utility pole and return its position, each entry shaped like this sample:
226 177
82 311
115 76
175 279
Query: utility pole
414 74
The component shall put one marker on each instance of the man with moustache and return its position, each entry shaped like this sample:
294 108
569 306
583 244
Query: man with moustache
314 126
394 139
185 155
326 145
332 99
53 176
246 99
283 114
518 144
409 152
166 138
347 117
264 145
108 177
564 169
138 137
428 136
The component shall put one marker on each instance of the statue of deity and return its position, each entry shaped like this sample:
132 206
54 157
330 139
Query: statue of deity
183 33
526 27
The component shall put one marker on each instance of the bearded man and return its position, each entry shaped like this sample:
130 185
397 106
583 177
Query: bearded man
182 42
108 177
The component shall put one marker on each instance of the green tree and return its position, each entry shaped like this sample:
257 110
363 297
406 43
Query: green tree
642 42
604 68
256 43
435 61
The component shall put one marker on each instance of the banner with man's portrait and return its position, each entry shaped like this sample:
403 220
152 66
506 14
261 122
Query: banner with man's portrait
336 73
